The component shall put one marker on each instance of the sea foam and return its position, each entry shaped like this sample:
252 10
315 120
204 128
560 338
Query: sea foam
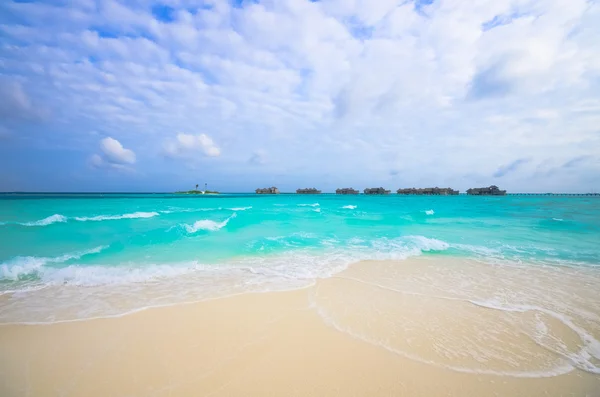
207 224
586 359
24 265
134 215
56 218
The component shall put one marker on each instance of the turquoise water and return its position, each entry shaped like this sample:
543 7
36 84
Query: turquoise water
204 246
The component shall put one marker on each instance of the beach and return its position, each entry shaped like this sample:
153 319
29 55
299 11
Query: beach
236 295
320 340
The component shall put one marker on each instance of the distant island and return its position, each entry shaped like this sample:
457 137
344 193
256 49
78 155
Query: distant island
429 191
346 190
267 190
376 190
311 190
198 192
486 191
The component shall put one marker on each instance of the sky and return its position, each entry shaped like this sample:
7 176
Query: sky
142 95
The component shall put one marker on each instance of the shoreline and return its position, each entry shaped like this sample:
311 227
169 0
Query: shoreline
374 329
149 288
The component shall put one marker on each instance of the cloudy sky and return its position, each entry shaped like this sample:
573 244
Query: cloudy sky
141 95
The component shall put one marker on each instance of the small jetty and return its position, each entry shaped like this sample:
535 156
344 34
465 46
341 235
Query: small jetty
556 194
486 191
429 191
346 190
310 190
376 190
267 190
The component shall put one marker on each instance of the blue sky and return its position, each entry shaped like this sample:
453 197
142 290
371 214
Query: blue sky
145 95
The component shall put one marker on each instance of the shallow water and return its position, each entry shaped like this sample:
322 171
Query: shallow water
520 321
66 257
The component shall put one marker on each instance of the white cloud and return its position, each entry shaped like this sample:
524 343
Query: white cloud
113 156
114 152
185 145
348 88
16 104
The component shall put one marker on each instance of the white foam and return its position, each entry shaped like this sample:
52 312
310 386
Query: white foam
288 267
349 207
580 359
20 266
356 250
207 224
330 321
134 215
177 210
56 218
558 219
23 265
240 208
429 212
317 210
104 275
309 205
428 244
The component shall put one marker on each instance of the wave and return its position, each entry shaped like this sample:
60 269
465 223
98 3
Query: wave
25 265
207 224
177 210
429 212
590 349
317 210
176 282
240 208
291 264
309 205
56 218
90 276
558 219
331 321
134 215
350 207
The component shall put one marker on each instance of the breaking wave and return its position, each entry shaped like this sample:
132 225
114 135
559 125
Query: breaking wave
207 224
21 266
56 218
134 215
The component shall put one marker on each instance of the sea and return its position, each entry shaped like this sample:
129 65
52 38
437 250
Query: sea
500 268
66 257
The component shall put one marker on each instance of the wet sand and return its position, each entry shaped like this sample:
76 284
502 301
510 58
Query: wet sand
377 329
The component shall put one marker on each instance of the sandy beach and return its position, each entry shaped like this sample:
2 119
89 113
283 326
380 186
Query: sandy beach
349 335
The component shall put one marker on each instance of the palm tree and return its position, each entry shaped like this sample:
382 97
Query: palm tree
196 186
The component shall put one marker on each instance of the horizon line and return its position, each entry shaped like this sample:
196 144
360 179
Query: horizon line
295 193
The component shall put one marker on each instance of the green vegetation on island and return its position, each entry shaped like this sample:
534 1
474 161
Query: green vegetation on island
196 191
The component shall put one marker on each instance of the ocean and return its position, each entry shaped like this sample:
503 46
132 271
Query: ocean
197 247
501 268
